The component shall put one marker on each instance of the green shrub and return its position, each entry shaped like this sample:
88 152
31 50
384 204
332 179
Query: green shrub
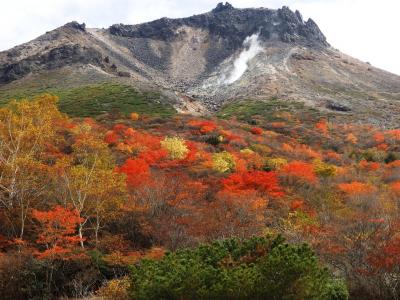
391 157
96 99
373 154
257 268
214 140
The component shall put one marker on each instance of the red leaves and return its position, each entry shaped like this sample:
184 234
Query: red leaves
355 188
379 137
387 256
204 126
57 232
153 157
129 132
229 136
137 171
369 166
394 164
256 130
395 134
111 137
297 204
207 128
192 154
265 182
300 170
395 187
322 126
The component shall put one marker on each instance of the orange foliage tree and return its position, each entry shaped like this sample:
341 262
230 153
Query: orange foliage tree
57 232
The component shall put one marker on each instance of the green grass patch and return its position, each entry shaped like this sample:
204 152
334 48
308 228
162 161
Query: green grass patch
97 99
269 110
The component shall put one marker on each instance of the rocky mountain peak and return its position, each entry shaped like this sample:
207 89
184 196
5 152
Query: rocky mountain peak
207 60
76 25
222 7
233 25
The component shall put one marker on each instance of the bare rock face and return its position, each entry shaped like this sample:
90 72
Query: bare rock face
233 25
76 25
53 59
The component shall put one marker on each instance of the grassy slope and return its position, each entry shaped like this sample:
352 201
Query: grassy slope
96 99
269 110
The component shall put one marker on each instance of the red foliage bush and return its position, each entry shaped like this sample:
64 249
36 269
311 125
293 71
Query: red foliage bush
300 170
111 137
204 126
369 166
322 126
256 130
266 182
395 187
356 188
57 232
136 170
296 204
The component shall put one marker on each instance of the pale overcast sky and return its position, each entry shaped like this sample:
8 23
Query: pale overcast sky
365 29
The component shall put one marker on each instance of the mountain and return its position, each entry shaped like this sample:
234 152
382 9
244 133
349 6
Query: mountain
200 63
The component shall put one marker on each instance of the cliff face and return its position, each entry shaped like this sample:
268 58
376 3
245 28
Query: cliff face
215 35
233 26
211 58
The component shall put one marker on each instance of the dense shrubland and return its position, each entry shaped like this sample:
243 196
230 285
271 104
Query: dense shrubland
82 200
258 268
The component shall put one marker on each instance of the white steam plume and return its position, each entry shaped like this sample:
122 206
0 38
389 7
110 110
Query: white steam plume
240 65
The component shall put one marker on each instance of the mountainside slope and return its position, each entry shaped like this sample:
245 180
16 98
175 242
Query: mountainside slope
200 63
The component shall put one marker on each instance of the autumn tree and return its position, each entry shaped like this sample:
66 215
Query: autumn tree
57 232
27 128
223 162
88 181
175 147
57 235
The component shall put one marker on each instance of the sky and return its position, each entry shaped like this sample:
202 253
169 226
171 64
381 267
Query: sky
365 29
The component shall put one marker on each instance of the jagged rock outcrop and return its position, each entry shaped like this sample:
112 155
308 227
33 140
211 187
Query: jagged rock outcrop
234 25
53 59
76 25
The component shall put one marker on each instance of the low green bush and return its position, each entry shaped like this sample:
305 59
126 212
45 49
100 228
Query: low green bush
257 268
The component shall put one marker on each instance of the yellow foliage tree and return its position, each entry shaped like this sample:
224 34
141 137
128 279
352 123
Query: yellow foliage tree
27 130
324 169
223 162
275 163
175 146
88 182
